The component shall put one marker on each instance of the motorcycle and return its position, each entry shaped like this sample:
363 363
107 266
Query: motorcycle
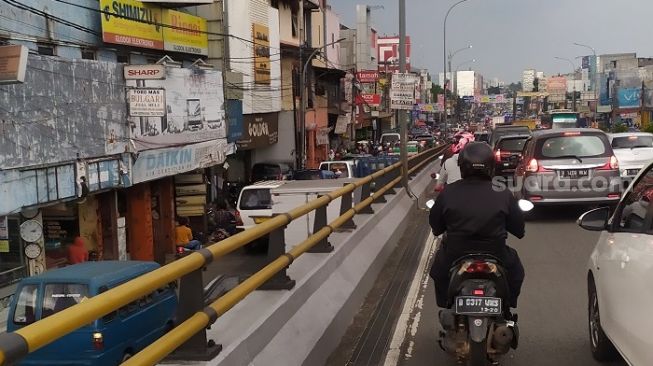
478 326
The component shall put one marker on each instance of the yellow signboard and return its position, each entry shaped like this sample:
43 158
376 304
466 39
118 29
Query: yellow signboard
261 37
186 33
4 246
131 23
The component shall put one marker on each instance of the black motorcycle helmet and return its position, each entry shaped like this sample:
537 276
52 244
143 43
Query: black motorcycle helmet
476 160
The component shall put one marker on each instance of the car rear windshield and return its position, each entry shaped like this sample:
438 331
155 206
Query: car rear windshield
308 175
576 146
516 145
630 142
388 139
339 169
256 199
61 296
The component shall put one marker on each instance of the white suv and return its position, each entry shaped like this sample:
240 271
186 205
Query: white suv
620 274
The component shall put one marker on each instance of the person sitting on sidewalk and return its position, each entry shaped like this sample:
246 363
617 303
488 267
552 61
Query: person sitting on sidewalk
184 235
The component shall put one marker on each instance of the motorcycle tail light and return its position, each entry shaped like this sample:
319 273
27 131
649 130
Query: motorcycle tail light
478 292
478 267
180 250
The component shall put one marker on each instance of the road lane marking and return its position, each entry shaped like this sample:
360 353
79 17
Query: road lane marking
411 313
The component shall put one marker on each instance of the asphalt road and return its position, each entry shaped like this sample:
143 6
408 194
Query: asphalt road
552 311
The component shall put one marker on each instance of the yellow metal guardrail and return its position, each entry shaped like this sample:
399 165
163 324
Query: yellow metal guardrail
18 344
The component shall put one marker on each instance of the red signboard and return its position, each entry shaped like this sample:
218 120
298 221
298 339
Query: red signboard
372 99
367 76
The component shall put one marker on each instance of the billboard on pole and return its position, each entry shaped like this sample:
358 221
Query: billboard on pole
402 91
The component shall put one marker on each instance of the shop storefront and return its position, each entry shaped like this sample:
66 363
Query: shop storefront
258 143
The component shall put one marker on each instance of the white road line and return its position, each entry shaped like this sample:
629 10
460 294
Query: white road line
412 311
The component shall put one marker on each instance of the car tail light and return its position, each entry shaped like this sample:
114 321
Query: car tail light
497 155
535 167
239 219
478 267
535 198
98 341
611 164
614 195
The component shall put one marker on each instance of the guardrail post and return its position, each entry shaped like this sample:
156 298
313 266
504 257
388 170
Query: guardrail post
346 203
277 248
320 221
191 301
365 194
379 183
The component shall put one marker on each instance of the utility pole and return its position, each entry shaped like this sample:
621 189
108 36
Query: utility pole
402 114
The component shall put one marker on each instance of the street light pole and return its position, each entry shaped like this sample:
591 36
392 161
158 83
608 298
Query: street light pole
596 79
444 60
403 123
573 73
302 109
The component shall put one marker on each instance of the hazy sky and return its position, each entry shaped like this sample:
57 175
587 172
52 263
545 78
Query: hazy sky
511 35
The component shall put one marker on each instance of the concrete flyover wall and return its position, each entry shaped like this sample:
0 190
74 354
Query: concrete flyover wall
304 325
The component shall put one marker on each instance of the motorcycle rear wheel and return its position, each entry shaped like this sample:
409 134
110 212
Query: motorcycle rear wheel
477 353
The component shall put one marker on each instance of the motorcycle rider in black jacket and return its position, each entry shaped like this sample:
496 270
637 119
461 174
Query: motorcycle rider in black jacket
476 218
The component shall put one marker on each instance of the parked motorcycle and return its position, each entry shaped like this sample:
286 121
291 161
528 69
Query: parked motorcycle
478 326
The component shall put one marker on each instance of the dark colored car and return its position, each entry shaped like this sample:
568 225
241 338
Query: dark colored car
499 131
429 140
482 136
569 166
313 174
271 171
507 152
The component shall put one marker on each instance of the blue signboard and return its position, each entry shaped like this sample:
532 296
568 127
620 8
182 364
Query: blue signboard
604 92
234 120
629 97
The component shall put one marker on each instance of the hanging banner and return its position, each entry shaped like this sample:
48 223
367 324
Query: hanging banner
159 163
342 123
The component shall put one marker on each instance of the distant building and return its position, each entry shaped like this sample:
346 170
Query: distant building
528 80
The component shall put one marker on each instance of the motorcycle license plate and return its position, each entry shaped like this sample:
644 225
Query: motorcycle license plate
476 305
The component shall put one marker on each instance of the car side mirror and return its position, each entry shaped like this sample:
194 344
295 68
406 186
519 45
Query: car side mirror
595 220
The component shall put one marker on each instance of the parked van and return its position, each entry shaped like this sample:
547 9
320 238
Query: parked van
106 341
342 168
255 202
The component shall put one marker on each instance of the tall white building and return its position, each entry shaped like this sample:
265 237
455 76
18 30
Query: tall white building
469 83
528 79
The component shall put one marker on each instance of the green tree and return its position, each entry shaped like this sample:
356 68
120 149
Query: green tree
619 127
649 128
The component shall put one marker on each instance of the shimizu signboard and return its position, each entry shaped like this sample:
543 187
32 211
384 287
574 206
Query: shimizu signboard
261 37
187 33
131 23
402 91
13 64
145 72
147 102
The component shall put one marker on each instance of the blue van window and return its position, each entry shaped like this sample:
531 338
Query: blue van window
25 312
61 296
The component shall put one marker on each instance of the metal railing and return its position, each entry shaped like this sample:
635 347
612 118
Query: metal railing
15 345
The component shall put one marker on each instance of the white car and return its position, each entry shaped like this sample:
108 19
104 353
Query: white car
620 275
634 150
255 202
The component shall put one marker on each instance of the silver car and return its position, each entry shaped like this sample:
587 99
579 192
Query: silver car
568 166
634 150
